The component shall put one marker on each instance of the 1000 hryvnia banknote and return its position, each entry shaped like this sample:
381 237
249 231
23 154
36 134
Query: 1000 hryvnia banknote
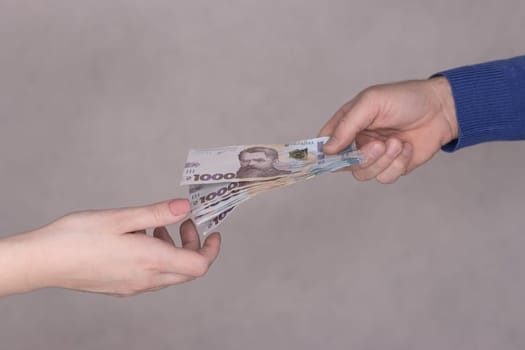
221 178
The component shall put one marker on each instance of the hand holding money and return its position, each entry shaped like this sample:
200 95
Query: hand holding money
221 178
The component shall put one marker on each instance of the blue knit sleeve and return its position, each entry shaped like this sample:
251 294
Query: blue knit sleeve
490 102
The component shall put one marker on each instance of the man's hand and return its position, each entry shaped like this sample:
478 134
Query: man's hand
398 126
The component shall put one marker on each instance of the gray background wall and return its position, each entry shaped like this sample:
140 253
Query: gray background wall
101 100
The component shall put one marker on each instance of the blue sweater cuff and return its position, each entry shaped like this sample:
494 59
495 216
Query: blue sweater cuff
489 100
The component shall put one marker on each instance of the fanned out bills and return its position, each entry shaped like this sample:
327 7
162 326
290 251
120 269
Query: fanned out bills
221 178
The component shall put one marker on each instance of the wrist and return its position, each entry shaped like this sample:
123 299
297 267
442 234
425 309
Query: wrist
22 268
446 107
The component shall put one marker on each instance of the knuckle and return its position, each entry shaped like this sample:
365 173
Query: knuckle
70 218
341 124
157 214
73 219
370 94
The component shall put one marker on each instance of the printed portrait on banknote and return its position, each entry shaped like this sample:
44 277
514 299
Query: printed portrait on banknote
259 161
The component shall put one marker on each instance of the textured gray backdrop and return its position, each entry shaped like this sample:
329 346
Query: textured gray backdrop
101 100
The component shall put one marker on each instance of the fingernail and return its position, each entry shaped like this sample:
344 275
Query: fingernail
179 207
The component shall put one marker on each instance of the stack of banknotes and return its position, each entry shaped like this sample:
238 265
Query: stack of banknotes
221 178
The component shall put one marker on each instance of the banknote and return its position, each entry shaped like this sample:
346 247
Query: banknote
213 197
222 178
257 162
205 226
202 204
